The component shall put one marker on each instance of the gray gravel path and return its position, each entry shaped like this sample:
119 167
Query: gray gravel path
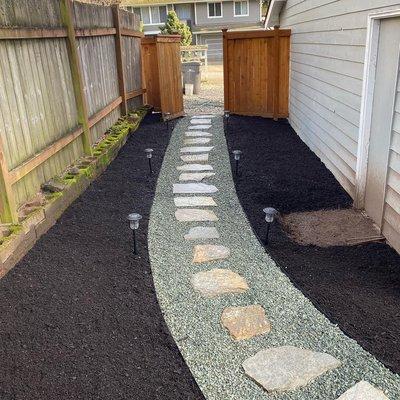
213 357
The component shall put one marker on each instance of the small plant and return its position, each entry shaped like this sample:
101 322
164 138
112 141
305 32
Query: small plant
175 27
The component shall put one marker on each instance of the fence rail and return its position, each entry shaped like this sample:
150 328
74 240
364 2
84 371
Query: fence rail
68 71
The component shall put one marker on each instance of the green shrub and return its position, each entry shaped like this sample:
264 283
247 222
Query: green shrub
175 27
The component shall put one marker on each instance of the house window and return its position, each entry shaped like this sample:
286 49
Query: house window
240 8
153 15
214 10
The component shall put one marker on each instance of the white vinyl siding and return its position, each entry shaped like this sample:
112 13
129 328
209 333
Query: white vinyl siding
391 215
327 66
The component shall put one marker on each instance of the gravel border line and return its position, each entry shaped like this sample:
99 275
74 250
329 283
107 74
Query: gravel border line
214 359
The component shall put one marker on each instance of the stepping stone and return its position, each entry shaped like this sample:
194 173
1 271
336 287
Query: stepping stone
209 252
204 116
205 121
194 201
197 141
217 282
196 149
195 215
193 188
363 391
195 167
195 176
194 157
197 127
245 322
279 369
198 133
202 232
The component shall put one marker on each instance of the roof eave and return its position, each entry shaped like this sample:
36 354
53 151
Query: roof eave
273 15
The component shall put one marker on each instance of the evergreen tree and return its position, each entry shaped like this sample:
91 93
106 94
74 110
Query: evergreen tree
175 27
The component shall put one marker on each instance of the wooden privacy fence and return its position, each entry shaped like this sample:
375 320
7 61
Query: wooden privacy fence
163 74
68 71
256 72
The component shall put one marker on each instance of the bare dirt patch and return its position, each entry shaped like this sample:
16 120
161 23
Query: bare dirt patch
324 228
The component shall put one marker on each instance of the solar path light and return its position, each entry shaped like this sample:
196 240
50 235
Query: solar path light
236 155
226 118
134 219
167 117
270 215
149 155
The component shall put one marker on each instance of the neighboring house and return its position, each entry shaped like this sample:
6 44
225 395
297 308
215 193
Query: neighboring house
345 95
206 19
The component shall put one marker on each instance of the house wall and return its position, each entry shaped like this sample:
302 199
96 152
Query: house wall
327 64
391 214
227 14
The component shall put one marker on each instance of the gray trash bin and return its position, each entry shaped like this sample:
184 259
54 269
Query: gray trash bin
191 74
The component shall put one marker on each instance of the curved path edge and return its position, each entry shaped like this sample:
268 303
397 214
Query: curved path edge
213 357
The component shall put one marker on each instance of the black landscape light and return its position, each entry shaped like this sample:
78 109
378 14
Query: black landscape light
134 219
167 117
270 215
226 118
237 154
149 155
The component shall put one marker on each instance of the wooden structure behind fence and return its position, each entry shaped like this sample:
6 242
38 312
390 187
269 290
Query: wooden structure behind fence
163 74
68 71
256 72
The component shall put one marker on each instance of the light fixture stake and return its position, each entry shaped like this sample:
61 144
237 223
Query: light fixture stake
134 219
236 155
270 214
149 155
226 118
167 116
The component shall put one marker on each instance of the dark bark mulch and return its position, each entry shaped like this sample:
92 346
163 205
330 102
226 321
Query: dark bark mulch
79 318
356 287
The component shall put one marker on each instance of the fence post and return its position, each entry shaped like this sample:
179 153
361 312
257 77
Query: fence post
8 207
277 71
120 58
76 73
225 61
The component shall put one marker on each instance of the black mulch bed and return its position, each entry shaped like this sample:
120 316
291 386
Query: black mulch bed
356 287
79 318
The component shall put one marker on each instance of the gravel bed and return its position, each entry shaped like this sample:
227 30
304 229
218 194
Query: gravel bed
210 100
214 359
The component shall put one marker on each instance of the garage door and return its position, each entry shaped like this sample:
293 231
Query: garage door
214 43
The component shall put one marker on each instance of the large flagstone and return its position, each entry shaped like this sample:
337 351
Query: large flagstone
245 322
195 215
195 176
279 369
195 201
197 127
198 140
218 282
195 167
193 188
196 149
209 252
363 391
198 133
202 232
204 121
194 157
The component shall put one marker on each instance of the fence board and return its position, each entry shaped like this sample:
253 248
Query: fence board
163 76
256 72
38 109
